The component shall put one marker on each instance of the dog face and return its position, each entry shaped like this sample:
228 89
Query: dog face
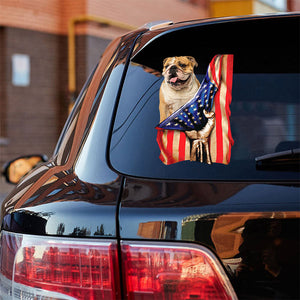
178 71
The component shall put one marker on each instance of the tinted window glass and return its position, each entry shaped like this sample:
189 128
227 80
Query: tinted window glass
263 111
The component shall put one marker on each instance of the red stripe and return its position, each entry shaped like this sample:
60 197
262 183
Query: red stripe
182 140
170 136
218 115
167 151
219 132
228 101
159 136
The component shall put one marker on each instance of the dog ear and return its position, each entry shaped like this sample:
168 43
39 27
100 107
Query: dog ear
164 61
193 60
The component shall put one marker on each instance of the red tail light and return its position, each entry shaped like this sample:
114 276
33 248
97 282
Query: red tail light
56 268
34 267
173 271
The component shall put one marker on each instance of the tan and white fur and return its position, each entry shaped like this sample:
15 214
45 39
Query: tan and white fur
179 85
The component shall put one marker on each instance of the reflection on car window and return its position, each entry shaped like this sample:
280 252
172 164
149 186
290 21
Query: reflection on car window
72 118
263 114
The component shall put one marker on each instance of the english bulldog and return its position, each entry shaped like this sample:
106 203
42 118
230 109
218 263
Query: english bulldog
179 85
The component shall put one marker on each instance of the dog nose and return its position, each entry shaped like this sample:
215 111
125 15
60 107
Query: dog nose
173 68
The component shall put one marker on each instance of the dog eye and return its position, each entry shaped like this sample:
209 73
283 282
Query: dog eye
182 65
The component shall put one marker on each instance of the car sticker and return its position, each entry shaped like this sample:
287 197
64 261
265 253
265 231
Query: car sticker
195 118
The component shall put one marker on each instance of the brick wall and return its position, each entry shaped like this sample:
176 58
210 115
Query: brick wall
294 5
32 112
34 14
52 16
90 48
32 116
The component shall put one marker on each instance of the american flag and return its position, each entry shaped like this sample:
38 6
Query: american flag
214 94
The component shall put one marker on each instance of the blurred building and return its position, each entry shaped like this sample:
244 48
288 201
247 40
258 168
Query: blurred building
34 84
222 8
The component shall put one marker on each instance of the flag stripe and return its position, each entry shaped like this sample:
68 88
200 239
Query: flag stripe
159 139
224 126
176 145
225 116
229 77
221 139
213 69
219 135
182 146
170 136
218 115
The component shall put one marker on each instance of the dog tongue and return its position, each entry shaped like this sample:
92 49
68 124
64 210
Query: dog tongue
173 79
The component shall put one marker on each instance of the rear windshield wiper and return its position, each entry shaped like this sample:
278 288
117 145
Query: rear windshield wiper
287 160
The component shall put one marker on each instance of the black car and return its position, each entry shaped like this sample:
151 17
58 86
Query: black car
151 195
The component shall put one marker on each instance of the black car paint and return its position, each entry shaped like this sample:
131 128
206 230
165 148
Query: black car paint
71 203
187 212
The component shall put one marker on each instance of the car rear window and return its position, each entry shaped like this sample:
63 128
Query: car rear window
252 66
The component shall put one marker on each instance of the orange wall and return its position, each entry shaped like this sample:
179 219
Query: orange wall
294 5
33 14
52 15
223 8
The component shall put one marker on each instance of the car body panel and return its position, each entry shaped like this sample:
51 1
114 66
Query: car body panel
67 206
253 228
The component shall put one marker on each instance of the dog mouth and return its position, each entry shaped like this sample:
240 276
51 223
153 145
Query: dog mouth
175 80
